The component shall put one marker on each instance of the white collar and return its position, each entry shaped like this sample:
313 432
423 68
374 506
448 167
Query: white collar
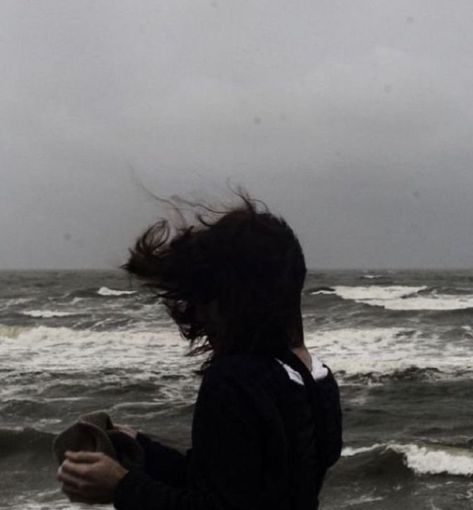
319 371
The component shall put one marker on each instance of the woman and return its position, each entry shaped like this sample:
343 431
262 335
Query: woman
267 420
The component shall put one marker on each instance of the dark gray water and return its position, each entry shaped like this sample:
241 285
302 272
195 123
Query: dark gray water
400 344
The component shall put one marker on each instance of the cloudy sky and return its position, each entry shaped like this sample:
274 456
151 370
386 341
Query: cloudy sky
353 119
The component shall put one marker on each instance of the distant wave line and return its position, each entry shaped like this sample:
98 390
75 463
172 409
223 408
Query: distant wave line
399 297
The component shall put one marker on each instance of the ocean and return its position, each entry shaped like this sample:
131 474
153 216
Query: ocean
399 343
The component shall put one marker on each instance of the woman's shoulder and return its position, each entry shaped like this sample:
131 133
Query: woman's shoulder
242 385
239 367
254 367
252 376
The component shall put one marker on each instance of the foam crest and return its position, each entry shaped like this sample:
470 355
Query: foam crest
386 351
376 292
53 349
37 501
402 297
17 301
424 460
105 291
46 314
349 352
349 451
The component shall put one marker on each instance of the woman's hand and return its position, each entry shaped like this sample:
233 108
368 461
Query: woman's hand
90 477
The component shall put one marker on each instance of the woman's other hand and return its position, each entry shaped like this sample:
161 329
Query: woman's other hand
90 477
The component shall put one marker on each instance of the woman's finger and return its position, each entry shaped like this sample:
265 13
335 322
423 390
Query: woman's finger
70 479
76 469
87 457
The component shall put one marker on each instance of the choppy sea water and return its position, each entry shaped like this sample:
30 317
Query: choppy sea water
400 344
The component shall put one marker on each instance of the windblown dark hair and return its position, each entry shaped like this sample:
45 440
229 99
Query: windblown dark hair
245 259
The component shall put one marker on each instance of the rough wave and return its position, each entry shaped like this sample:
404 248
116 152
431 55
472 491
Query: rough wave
11 332
105 291
48 348
356 355
47 314
412 373
321 290
14 441
16 301
403 297
389 352
420 459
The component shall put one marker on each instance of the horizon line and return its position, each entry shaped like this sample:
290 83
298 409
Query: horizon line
309 270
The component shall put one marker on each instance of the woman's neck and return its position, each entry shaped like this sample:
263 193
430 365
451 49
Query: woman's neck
296 334
304 355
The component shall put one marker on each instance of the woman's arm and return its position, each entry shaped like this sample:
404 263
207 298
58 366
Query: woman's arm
226 466
163 463
226 463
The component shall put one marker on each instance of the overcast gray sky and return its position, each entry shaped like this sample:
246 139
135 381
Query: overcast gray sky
353 119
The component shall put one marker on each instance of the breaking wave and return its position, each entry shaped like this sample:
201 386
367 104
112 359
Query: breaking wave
356 355
417 459
105 291
47 314
53 348
26 440
402 297
381 353
420 459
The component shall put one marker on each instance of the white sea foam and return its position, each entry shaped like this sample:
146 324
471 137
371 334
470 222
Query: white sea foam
46 314
375 292
349 451
109 357
362 500
11 332
387 350
17 301
423 460
47 348
403 297
428 460
348 352
105 291
41 500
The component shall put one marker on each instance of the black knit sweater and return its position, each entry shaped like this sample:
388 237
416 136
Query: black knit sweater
259 441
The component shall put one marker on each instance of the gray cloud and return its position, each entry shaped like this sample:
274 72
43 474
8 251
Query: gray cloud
352 119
